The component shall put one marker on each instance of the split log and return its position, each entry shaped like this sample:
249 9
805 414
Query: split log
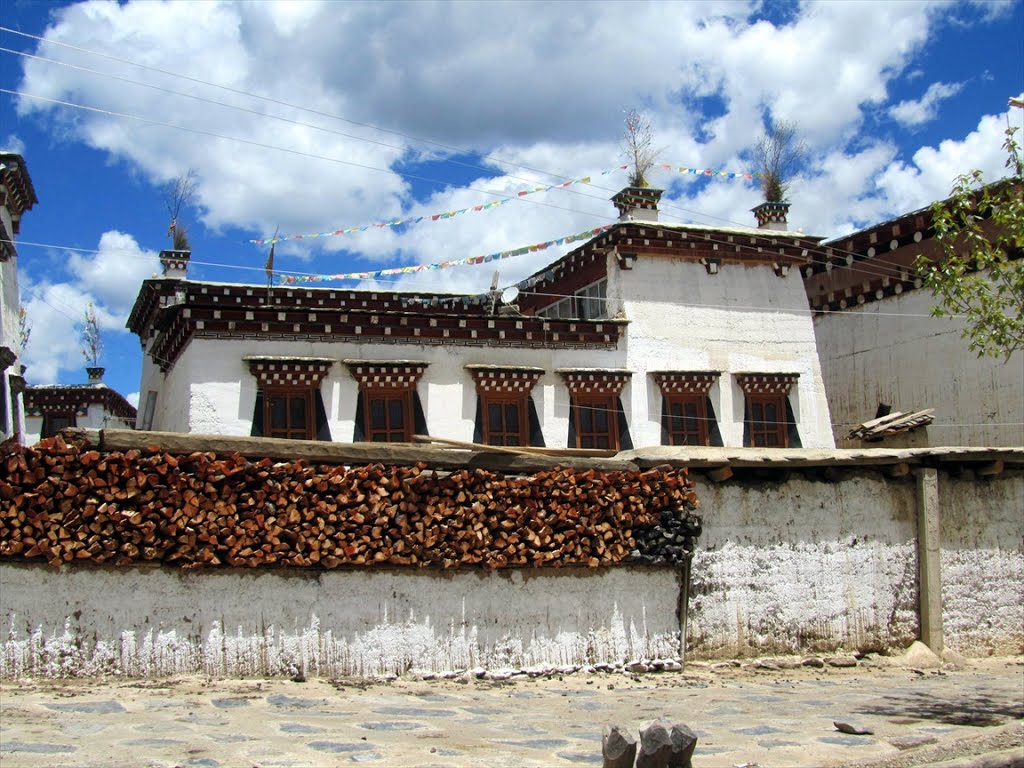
68 501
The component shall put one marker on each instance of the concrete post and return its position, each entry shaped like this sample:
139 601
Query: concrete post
929 558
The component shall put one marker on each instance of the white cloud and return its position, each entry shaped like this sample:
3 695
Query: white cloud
55 314
13 144
913 113
112 275
133 398
549 92
108 278
930 176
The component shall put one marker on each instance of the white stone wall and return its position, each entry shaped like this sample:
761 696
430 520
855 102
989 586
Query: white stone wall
9 303
982 529
332 623
892 351
801 565
744 319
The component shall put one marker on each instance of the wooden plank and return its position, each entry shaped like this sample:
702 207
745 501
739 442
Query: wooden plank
719 475
529 450
991 469
454 458
898 470
316 452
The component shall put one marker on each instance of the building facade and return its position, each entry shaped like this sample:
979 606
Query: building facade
17 195
882 350
49 409
648 333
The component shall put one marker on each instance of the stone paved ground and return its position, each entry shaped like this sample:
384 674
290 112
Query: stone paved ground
774 718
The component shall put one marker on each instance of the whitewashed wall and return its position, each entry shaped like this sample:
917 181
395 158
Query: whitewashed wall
891 351
803 564
174 393
222 392
153 620
783 566
9 303
96 417
982 527
744 319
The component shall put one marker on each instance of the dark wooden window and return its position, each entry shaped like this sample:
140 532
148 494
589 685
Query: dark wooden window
388 415
289 413
596 421
505 419
687 419
55 422
766 418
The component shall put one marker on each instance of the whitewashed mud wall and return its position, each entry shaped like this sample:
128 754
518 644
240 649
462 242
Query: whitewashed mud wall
783 566
982 528
153 620
889 351
805 565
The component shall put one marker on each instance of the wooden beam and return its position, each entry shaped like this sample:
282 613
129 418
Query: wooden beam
527 450
719 475
991 469
317 452
902 469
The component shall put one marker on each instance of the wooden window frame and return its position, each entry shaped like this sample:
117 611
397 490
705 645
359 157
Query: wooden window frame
520 399
677 432
404 396
308 431
608 403
761 430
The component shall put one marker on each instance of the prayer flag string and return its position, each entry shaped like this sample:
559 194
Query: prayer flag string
495 203
296 279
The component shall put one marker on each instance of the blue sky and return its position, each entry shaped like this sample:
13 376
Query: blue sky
310 117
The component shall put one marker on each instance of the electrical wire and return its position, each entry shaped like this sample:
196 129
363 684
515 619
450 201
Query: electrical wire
248 94
297 152
278 102
667 205
279 118
747 307
818 250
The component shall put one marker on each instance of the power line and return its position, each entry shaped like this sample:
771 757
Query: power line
272 100
667 205
749 307
250 142
273 117
320 113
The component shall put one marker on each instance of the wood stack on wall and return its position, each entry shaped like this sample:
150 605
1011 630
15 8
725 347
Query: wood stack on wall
68 502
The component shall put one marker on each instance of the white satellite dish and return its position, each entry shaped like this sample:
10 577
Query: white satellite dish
510 294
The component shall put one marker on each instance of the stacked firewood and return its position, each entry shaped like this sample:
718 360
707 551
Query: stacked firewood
66 502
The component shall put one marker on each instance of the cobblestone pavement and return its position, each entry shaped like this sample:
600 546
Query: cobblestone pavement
774 718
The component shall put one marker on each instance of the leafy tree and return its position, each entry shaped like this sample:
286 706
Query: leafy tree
92 342
980 273
778 155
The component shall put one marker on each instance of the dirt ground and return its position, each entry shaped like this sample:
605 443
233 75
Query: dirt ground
771 715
